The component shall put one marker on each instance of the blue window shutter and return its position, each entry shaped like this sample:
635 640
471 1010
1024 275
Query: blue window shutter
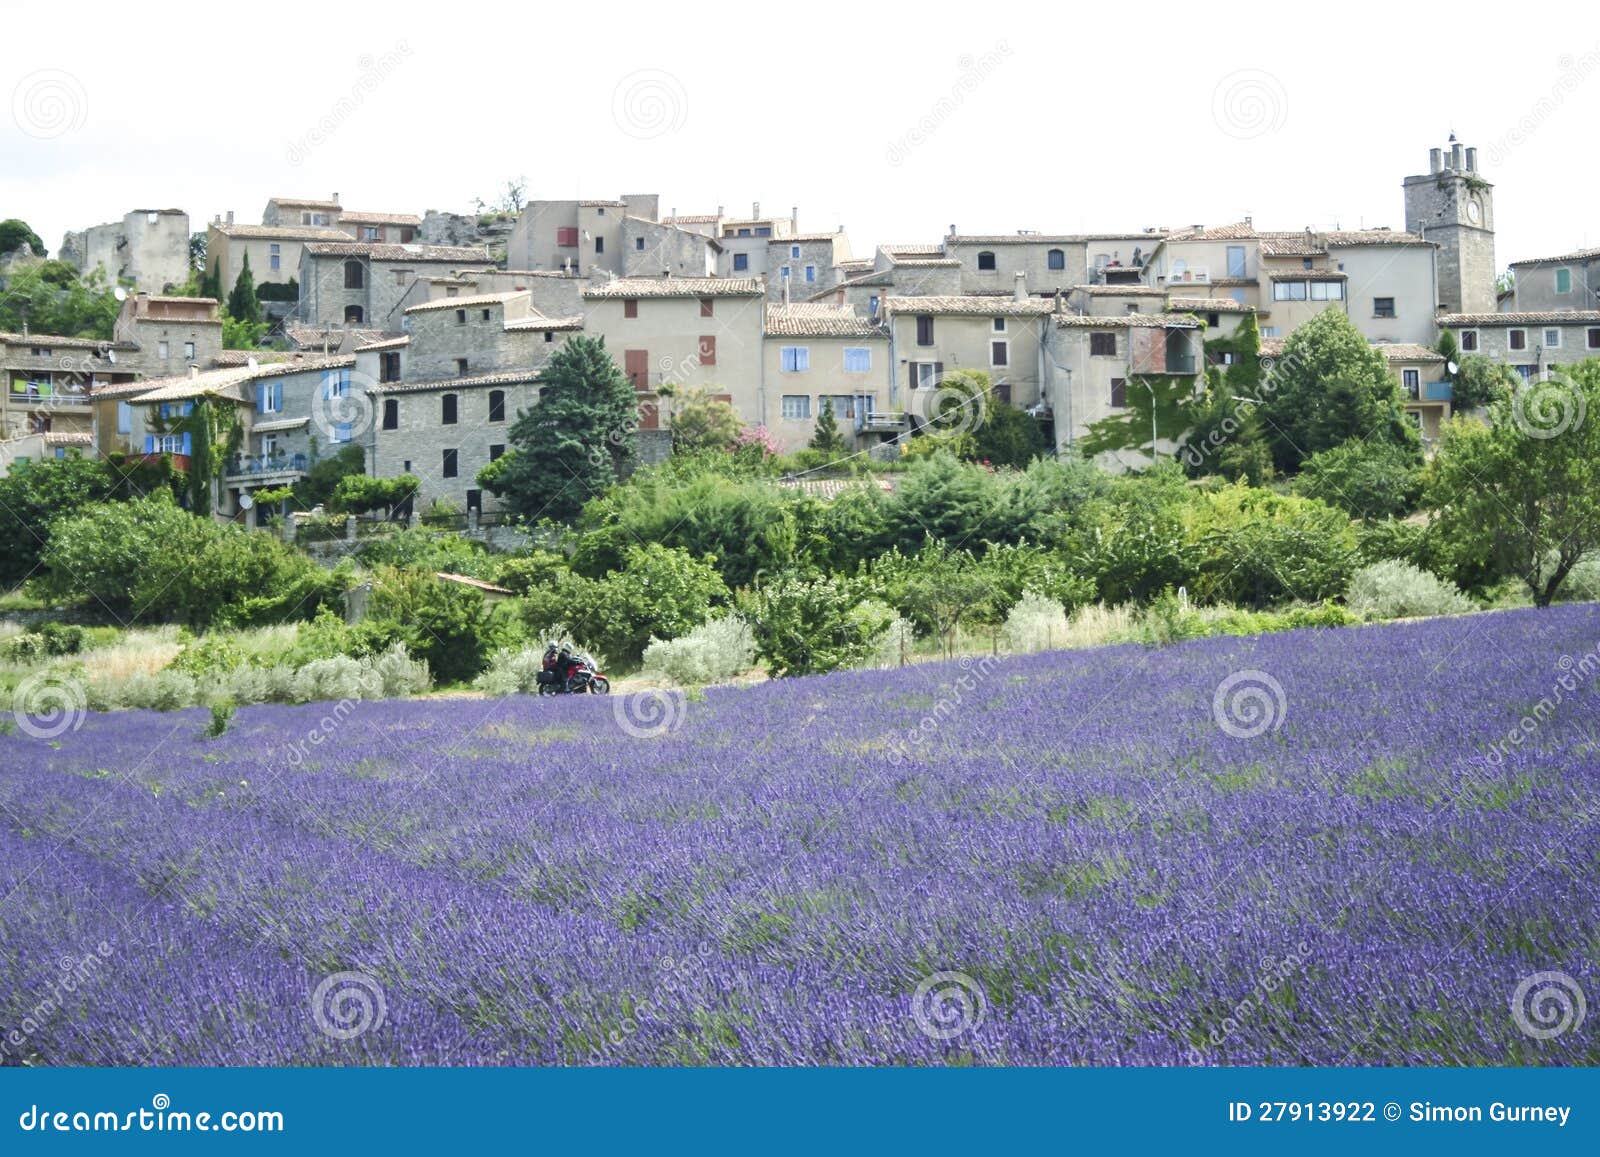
261 396
149 443
277 395
186 442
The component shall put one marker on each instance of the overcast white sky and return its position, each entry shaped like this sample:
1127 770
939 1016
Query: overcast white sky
1059 117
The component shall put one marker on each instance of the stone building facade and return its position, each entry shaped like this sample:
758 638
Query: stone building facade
813 352
1453 206
362 284
148 249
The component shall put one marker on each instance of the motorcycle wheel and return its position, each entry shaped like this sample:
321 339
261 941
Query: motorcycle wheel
547 688
601 685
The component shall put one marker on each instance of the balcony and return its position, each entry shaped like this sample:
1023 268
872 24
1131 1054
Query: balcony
263 470
1180 363
1189 275
28 400
881 422
1437 392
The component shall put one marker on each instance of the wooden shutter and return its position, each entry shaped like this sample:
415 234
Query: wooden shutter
1119 393
708 350
649 416
705 307
913 368
630 307
636 364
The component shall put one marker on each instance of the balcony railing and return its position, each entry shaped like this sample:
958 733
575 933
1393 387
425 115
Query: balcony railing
1438 392
881 422
33 401
1180 364
272 464
1200 275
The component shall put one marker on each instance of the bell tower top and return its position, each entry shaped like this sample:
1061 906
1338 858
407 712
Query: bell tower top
1453 206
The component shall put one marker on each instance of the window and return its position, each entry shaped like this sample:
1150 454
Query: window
1237 295
638 244
797 406
172 443
449 466
1552 339
1383 307
1305 263
795 359
999 325
858 359
1525 371
369 233
741 262
549 336
599 244
1236 261
707 306
1563 281
461 367
355 277
484 315
389 367
1517 339
1288 291
124 418
336 384
872 305
708 350
811 273
925 375
785 273
188 351
1594 339
342 432
1119 393
1103 344
744 232
461 317
269 397
925 329
496 451
274 257
497 405
1269 331
391 413
630 307
353 315
794 251
1469 341
762 231
999 353
986 260
1327 291
567 237
1412 381
1055 259
161 350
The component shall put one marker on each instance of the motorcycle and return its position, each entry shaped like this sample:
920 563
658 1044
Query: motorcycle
580 675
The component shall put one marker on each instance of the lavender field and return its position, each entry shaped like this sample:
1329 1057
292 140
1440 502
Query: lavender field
1306 848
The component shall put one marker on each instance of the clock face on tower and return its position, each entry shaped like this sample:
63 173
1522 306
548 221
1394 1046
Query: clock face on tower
1474 210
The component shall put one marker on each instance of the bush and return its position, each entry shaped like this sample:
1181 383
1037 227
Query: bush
1397 590
1583 582
1364 479
512 672
1258 548
713 652
442 623
804 627
658 592
1036 623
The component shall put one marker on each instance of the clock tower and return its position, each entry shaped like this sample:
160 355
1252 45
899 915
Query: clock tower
1453 207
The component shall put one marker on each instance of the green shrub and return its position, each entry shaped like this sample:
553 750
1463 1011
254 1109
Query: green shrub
1365 479
803 627
1258 548
1395 590
658 592
221 717
512 672
713 652
442 623
1035 623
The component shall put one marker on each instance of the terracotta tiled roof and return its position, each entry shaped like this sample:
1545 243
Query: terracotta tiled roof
913 250
476 381
1126 321
802 238
67 438
167 297
388 343
360 217
378 251
225 358
1120 290
818 320
1373 237
828 489
691 219
971 305
603 204
282 232
469 300
302 203
50 340
676 287
1272 347
1543 317
312 337
929 263
1208 305
1238 231
1309 275
1577 255
280 425
1290 244
223 381
1405 351
538 322
477 584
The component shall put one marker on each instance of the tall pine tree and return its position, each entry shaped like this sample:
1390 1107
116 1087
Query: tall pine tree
578 440
826 437
243 305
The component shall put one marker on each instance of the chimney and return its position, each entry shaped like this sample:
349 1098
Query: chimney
674 214
719 210
755 210
230 216
1472 160
785 291
1249 222
1060 306
1435 160
334 198
194 371
1455 157
952 229
794 218
1020 290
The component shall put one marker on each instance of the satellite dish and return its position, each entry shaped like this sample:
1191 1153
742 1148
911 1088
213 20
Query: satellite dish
111 356
1452 367
246 501
251 363
119 293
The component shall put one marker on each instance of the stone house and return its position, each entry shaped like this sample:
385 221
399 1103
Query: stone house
479 334
1051 263
894 271
684 333
171 333
744 241
361 284
386 228
50 380
934 335
802 265
1570 281
815 351
274 250
148 249
656 249
322 213
579 236
1532 343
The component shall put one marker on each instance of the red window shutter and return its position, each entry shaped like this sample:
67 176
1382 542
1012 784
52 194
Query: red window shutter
636 364
630 307
708 351
649 416
567 236
728 398
705 306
